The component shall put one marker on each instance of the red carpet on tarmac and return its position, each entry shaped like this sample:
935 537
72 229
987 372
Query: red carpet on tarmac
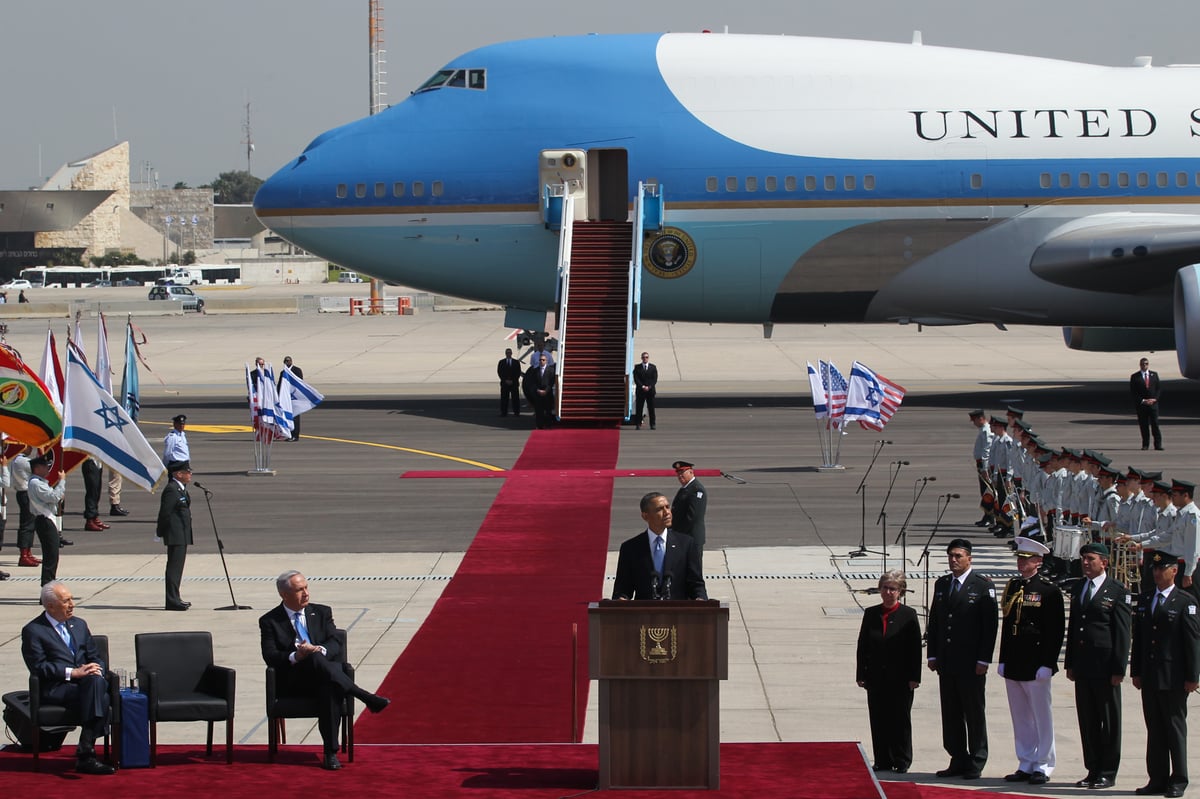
493 661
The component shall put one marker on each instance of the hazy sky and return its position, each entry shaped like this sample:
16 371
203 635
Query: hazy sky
176 75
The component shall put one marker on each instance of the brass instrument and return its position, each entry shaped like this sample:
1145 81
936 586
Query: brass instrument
1125 566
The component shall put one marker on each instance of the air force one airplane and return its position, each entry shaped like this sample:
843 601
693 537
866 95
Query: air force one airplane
779 179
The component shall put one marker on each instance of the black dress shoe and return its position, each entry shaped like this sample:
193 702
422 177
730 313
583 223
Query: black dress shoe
330 762
1159 448
186 604
63 542
4 575
117 510
900 769
1101 782
1175 791
1018 776
90 765
376 703
1150 789
952 771
972 775
183 606
880 767
1086 782
1038 778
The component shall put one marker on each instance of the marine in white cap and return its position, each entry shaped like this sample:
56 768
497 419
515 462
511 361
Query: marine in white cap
1030 639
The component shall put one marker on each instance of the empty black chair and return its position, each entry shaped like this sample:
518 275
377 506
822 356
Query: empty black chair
181 683
43 714
282 705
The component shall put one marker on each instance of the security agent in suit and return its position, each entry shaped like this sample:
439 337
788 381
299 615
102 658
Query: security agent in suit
1165 667
71 673
645 380
508 369
1095 660
1031 636
540 385
689 505
961 634
1145 390
175 529
298 642
680 575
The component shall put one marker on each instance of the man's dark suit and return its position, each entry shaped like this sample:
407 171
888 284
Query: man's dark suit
542 384
49 657
175 529
687 511
1098 651
886 662
681 564
645 378
961 632
1147 414
314 674
1165 655
509 372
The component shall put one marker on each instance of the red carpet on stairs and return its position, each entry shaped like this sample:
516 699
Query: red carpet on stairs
493 661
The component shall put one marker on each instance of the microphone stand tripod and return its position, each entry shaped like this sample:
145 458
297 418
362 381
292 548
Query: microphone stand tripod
882 518
221 549
925 551
902 539
862 489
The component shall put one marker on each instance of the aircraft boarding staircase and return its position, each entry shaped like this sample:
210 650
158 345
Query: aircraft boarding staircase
599 297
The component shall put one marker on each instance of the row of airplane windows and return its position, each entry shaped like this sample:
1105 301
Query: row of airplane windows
1065 180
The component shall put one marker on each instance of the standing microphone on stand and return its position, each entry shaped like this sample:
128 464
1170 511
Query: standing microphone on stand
207 493
666 592
656 585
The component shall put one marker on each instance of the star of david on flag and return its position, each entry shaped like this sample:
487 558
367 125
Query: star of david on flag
95 423
872 398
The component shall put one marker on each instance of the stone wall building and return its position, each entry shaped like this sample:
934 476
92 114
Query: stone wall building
99 231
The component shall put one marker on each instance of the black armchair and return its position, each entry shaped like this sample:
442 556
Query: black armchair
43 714
283 705
177 674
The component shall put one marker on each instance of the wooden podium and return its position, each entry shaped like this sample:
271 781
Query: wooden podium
658 664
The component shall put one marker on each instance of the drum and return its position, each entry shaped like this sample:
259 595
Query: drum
1068 541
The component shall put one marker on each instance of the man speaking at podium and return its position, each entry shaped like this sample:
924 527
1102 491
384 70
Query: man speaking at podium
659 563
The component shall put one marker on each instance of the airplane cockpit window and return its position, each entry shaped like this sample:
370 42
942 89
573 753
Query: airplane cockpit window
456 79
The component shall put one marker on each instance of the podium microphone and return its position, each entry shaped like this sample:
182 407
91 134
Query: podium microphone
202 488
656 586
881 441
951 496
902 463
666 592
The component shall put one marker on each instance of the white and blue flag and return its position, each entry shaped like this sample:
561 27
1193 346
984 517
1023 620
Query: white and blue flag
95 423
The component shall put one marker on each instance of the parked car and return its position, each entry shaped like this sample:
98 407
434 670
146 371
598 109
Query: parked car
182 294
98 284
349 277
165 281
128 281
17 284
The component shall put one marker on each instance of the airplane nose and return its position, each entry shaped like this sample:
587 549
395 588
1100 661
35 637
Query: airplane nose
276 196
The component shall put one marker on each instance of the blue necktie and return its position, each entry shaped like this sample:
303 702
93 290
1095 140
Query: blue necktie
658 554
300 629
66 636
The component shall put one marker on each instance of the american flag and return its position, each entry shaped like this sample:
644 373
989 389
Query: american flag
836 389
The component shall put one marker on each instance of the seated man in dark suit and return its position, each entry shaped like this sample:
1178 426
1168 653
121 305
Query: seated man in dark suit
659 563
59 649
298 641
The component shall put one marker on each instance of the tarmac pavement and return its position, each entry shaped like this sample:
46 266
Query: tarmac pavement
419 392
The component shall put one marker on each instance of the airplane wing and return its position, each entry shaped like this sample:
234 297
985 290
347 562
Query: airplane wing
1124 253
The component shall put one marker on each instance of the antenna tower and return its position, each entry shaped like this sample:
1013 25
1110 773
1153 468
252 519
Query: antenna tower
249 140
377 60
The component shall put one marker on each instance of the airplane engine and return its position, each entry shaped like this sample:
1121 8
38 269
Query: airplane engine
1187 320
1119 339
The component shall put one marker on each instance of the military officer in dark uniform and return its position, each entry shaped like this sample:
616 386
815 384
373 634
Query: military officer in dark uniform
689 505
1165 667
1031 636
175 529
508 369
1096 656
961 632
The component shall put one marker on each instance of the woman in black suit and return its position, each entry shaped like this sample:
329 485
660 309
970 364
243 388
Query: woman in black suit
889 667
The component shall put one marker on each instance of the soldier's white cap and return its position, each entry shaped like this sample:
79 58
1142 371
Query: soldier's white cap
1027 547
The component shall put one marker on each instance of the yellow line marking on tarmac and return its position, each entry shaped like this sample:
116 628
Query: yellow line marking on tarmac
245 428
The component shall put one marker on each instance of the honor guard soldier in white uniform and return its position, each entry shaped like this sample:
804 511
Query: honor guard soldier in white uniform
1187 523
1031 636
1161 536
1107 503
999 468
980 452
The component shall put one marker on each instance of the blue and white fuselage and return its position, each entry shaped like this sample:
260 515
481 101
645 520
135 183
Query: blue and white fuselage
817 180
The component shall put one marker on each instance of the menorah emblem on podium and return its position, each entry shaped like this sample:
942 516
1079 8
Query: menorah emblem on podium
658 637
